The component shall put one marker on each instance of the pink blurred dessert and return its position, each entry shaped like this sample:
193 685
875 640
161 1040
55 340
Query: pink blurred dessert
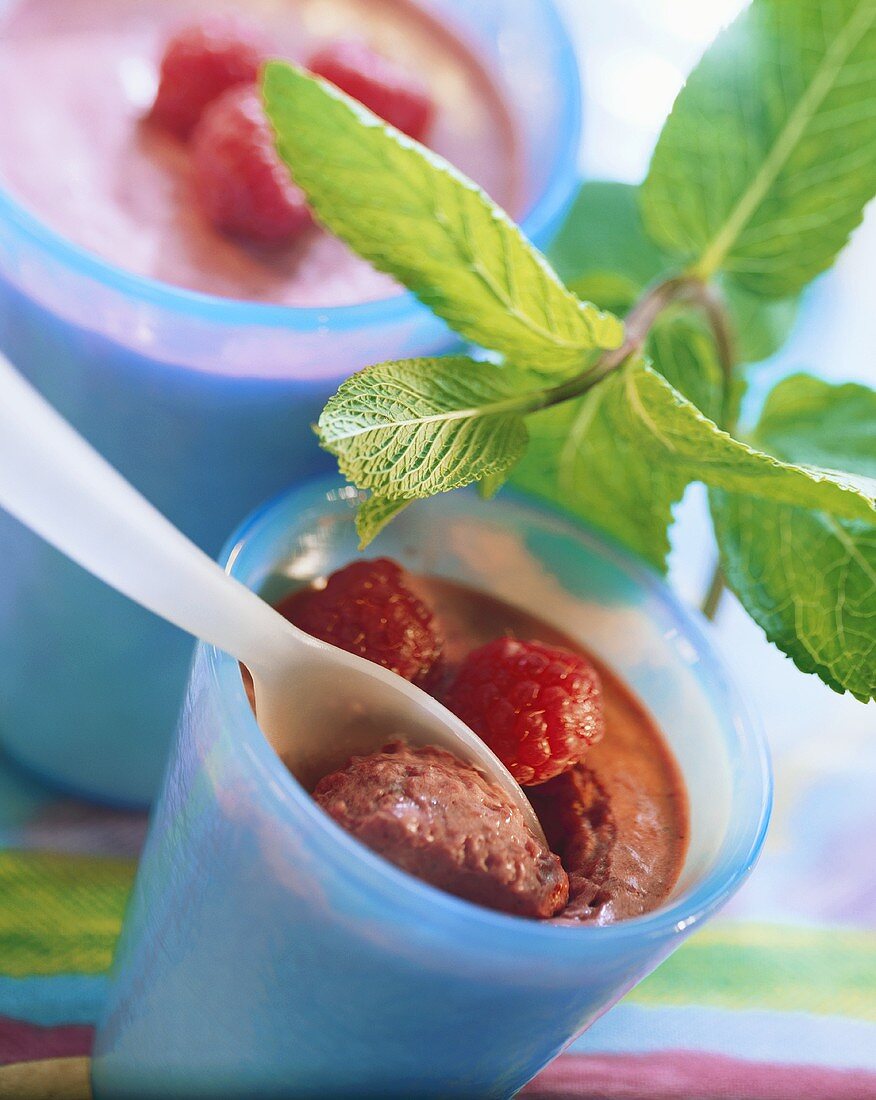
77 153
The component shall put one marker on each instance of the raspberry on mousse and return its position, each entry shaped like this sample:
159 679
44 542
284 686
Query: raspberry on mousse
393 93
242 185
368 609
538 707
208 96
201 61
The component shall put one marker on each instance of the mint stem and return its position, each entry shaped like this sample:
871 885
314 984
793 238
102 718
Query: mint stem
637 324
709 301
714 596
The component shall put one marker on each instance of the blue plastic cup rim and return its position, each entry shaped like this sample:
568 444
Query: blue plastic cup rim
485 929
542 218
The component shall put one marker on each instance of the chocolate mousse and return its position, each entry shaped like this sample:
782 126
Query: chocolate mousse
441 820
616 819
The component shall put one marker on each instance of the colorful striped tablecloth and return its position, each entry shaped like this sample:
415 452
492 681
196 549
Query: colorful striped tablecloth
775 999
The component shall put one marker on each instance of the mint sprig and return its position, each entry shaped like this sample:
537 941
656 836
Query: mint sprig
417 427
762 171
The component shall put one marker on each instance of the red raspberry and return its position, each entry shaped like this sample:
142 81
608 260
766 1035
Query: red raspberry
368 609
243 186
201 61
538 707
393 93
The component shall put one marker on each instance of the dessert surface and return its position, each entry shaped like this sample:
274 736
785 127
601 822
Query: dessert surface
77 153
617 817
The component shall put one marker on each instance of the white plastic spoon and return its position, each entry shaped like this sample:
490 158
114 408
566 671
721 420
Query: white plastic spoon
316 704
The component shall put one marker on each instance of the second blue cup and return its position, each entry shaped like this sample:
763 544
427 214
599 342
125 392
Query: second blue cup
205 404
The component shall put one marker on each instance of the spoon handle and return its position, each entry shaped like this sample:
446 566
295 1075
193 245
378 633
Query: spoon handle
54 482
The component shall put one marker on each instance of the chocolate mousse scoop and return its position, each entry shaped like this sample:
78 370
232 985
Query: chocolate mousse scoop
440 820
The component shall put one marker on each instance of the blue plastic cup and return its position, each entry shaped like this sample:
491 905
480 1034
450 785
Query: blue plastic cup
205 404
266 953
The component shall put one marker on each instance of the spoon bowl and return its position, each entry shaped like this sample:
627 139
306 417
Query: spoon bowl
316 704
324 706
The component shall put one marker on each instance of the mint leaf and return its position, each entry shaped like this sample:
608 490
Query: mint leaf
616 293
417 427
605 255
603 231
677 433
490 485
808 420
683 351
586 455
374 514
808 578
765 165
760 325
414 216
583 457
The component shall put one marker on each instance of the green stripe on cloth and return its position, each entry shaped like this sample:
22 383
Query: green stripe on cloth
60 914
774 967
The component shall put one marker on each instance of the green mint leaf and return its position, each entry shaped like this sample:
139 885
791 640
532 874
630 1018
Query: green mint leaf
374 514
677 433
586 455
807 420
683 351
760 325
605 255
603 231
583 457
417 427
414 216
808 578
765 165
610 291
490 485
